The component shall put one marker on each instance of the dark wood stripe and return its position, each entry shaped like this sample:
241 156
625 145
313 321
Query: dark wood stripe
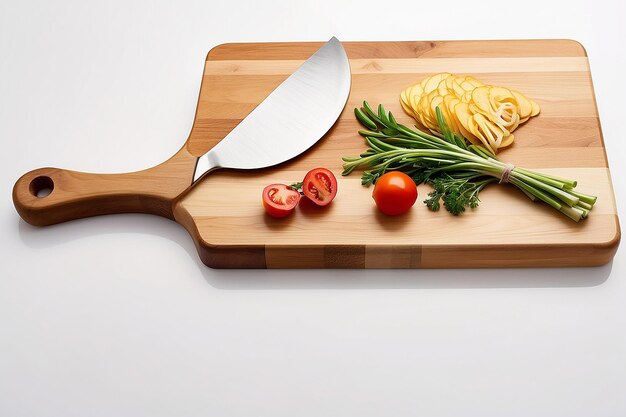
402 49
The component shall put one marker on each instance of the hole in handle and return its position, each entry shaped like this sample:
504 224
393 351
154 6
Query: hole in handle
41 186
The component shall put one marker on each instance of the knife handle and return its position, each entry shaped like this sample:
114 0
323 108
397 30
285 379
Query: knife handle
48 196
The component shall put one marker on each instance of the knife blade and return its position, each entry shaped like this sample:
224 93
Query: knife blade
291 119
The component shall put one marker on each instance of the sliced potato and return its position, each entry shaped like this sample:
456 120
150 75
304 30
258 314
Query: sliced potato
424 112
481 137
536 108
473 81
489 130
433 81
407 108
482 113
442 88
449 100
458 90
499 95
414 95
480 99
467 86
465 118
507 141
449 81
404 99
436 101
426 80
525 106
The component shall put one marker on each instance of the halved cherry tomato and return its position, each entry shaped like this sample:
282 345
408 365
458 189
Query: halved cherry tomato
279 200
395 193
320 186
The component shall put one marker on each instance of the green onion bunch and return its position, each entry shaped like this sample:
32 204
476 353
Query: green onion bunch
456 169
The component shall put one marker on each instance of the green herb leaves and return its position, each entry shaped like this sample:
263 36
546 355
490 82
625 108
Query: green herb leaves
456 193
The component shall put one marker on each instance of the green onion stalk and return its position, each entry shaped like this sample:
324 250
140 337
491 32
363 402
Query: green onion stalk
456 169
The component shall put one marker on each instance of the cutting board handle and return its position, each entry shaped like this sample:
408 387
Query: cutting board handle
48 196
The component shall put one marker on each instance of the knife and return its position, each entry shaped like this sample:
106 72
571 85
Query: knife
292 118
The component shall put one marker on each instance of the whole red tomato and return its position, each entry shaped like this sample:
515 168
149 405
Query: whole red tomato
395 193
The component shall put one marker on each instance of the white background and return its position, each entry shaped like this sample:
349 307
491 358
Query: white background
116 316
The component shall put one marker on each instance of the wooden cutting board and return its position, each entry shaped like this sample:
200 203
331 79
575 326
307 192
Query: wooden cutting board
225 217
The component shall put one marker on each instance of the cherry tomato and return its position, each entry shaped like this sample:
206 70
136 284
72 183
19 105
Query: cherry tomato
395 193
279 200
320 186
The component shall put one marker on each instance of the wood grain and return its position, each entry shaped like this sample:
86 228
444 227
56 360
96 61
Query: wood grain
224 215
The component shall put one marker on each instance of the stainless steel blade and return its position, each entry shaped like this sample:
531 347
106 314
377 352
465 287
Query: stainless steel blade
291 119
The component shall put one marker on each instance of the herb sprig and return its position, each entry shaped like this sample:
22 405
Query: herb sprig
456 169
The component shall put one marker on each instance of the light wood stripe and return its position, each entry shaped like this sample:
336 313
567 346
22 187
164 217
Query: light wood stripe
408 66
539 85
551 108
240 198
423 229
563 96
559 94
